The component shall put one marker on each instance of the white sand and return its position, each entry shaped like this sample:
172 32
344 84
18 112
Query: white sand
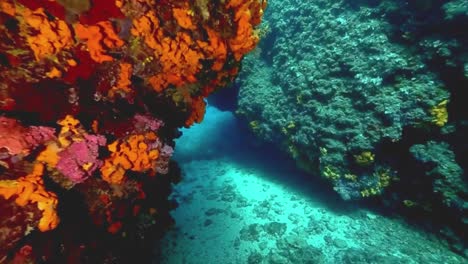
220 200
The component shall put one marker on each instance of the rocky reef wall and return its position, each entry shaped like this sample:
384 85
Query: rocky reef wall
369 95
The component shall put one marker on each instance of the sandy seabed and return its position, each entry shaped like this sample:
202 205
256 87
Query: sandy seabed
232 213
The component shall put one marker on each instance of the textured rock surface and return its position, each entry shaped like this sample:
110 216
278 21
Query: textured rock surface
347 87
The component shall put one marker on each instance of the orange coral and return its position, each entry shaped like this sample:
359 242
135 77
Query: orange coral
98 38
179 61
146 27
8 8
184 18
245 40
123 83
30 189
216 49
71 131
178 57
50 35
54 73
130 154
235 3
197 111
247 15
49 155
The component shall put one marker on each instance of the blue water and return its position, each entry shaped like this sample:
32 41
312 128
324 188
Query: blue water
242 202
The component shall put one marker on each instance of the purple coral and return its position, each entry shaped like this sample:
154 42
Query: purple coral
39 134
80 159
145 123
165 154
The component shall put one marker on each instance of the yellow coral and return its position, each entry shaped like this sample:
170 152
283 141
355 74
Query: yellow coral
50 35
49 155
409 203
384 177
365 158
440 114
370 192
71 131
30 189
330 173
351 177
254 125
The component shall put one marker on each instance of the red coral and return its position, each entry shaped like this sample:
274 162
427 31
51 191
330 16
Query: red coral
15 221
52 7
16 139
101 10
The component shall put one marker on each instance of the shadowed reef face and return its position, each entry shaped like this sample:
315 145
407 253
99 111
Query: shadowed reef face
362 93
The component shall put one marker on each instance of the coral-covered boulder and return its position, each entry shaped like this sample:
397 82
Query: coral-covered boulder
92 94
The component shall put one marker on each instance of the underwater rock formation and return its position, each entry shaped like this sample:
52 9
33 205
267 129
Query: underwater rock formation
350 89
92 94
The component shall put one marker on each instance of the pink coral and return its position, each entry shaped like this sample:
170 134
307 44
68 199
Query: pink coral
144 123
16 139
79 161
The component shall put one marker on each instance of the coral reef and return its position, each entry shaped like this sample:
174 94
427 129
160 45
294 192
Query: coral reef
348 87
92 94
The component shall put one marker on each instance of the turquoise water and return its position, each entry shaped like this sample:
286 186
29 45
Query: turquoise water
242 203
